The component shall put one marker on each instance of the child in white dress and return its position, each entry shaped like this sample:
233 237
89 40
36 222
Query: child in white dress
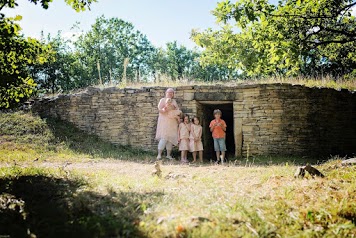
183 138
196 144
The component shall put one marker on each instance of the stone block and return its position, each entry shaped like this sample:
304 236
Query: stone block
188 96
214 96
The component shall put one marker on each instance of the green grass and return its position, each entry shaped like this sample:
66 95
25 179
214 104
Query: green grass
113 196
324 82
321 82
53 140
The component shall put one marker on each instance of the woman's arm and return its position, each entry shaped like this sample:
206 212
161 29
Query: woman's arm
174 103
161 105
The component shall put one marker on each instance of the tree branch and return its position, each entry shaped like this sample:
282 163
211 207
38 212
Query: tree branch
347 7
332 41
3 5
349 34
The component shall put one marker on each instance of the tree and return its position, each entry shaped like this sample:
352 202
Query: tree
110 42
293 37
18 55
62 72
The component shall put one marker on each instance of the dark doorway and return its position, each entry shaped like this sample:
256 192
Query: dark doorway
206 115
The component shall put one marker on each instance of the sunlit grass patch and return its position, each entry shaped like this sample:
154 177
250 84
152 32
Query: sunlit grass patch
24 136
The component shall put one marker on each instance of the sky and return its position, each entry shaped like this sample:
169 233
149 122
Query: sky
161 20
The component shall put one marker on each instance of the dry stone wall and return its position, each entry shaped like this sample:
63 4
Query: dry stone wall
267 118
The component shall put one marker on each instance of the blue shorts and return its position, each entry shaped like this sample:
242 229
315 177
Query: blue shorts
219 144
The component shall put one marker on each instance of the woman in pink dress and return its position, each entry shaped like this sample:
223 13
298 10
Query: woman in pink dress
167 127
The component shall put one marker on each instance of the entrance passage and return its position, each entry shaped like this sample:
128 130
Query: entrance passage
206 115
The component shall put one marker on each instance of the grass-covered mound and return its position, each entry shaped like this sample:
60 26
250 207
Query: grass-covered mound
24 136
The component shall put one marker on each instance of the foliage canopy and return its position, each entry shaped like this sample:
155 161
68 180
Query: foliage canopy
291 38
19 54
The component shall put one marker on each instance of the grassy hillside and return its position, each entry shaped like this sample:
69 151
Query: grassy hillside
31 137
81 186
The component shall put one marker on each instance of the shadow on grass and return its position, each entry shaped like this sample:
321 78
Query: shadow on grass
282 160
56 207
81 142
274 160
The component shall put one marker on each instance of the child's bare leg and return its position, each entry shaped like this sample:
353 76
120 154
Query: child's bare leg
217 156
169 154
186 155
194 156
200 156
222 156
182 155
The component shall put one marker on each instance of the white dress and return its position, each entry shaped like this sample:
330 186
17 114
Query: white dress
195 133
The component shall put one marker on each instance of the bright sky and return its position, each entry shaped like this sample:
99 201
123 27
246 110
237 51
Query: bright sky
161 20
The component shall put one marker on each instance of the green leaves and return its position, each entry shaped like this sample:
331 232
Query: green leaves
18 18
17 54
20 57
80 5
294 37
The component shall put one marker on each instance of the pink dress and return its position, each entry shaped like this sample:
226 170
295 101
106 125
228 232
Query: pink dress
174 113
167 126
195 132
184 130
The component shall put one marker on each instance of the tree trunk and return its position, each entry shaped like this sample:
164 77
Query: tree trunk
126 62
138 74
98 65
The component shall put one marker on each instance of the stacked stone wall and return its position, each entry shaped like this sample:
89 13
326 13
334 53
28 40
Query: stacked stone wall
268 118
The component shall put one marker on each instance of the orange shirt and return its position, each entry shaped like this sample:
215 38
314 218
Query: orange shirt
218 132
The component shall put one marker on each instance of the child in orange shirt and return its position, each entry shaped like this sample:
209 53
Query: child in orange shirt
218 129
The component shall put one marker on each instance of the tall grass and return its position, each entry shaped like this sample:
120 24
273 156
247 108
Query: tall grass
323 82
